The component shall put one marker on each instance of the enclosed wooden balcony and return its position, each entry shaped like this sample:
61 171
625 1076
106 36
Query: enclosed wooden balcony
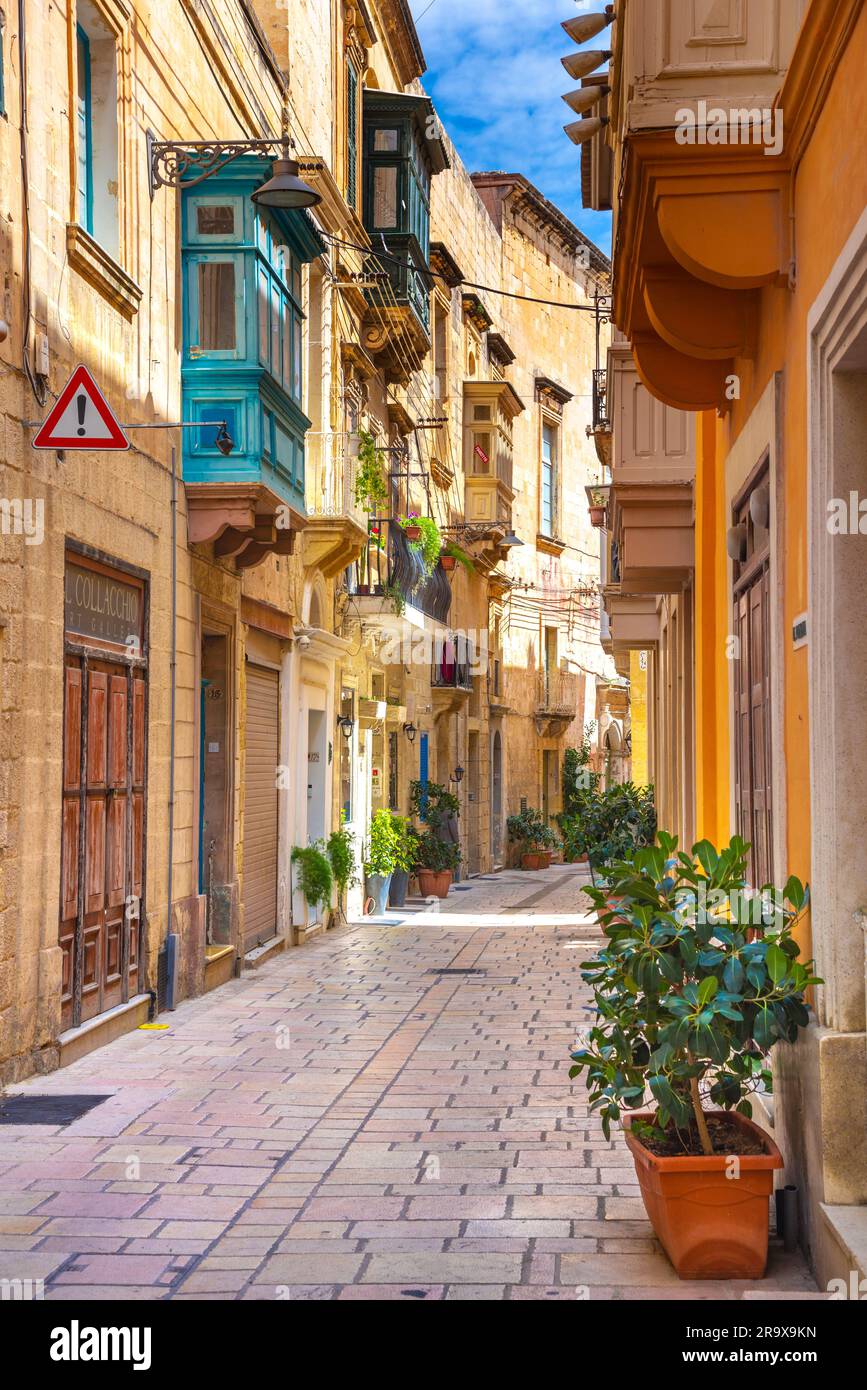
705 222
490 408
651 509
336 530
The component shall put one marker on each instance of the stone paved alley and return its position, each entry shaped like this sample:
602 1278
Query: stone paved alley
354 1121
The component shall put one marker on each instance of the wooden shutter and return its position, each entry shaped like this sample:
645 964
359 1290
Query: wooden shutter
351 136
262 755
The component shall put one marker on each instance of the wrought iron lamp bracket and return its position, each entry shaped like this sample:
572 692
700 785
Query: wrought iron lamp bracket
169 161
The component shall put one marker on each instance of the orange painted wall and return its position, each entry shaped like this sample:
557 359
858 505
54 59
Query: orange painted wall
830 194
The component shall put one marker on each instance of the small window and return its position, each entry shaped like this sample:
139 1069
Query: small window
548 517
97 133
386 141
215 220
481 412
217 330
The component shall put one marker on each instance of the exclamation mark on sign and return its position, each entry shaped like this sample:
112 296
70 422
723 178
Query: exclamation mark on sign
81 406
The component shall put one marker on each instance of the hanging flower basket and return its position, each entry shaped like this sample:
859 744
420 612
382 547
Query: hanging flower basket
412 533
448 563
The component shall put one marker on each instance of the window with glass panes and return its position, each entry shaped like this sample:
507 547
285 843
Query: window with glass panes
218 259
549 479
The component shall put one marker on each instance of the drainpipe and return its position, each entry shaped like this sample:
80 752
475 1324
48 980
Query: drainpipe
172 688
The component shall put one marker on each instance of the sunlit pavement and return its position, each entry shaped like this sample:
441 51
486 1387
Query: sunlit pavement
384 1113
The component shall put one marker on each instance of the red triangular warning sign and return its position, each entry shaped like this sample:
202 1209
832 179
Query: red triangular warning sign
81 418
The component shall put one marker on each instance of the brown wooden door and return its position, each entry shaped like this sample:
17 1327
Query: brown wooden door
102 852
262 756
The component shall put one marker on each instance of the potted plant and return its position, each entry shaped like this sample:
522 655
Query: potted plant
437 853
424 534
698 980
452 554
528 831
341 857
597 501
381 858
314 878
404 859
435 863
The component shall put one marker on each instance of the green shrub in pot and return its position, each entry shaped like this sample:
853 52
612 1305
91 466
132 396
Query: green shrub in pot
698 980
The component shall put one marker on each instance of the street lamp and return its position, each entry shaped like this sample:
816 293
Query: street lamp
457 775
410 731
345 726
170 163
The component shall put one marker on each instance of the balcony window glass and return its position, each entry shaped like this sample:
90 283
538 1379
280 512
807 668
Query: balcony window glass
217 329
482 453
385 195
386 141
215 220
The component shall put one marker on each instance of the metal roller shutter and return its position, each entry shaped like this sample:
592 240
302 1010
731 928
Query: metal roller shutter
260 806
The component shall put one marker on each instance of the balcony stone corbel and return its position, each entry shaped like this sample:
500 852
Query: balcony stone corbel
696 318
725 234
679 380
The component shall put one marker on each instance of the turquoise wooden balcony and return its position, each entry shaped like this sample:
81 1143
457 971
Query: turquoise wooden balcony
242 364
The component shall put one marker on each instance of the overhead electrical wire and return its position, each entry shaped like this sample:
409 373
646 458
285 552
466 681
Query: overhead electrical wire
470 284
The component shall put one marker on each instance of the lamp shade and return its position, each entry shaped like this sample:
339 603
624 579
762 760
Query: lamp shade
285 189
587 26
580 65
579 131
584 97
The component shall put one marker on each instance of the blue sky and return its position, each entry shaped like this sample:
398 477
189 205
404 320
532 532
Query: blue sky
495 76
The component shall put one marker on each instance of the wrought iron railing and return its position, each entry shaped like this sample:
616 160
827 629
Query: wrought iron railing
453 663
558 692
389 566
600 399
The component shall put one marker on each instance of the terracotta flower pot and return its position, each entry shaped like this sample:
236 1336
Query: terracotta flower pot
597 516
412 533
531 861
448 563
711 1226
434 883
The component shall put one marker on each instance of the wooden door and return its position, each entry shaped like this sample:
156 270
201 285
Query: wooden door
102 849
262 757
752 724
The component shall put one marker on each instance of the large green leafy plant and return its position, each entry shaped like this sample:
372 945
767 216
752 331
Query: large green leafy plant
342 860
313 872
699 978
370 485
607 825
528 829
382 845
430 543
434 805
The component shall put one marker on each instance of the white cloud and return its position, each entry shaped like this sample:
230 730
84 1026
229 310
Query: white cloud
495 75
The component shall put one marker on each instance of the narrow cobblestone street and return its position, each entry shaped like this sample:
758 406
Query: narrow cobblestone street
385 1114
